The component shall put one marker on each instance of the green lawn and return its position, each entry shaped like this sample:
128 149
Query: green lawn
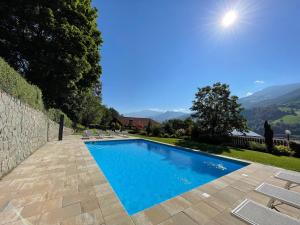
285 162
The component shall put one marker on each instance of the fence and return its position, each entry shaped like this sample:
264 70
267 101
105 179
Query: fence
244 140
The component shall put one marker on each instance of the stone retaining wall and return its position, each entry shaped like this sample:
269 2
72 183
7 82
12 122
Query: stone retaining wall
22 131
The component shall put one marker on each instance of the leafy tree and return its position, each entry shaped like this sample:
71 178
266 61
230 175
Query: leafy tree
188 123
54 45
113 126
156 131
168 128
118 126
109 116
216 112
92 112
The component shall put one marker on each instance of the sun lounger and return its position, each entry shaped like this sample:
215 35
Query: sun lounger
291 178
99 135
87 134
111 133
121 134
124 134
256 214
282 195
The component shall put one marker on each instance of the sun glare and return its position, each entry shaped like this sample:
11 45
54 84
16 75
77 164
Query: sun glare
229 18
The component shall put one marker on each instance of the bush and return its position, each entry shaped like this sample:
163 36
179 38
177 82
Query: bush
295 147
79 128
282 150
257 146
143 133
156 131
15 85
136 131
179 132
54 114
165 135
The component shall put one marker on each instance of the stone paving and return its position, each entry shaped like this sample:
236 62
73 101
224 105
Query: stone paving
61 184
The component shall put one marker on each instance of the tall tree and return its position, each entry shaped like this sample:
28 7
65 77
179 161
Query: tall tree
268 136
55 45
216 112
149 128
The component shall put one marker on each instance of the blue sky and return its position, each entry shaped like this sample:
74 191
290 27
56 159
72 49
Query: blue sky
156 53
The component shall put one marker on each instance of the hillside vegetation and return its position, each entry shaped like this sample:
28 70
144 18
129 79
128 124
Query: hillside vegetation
283 110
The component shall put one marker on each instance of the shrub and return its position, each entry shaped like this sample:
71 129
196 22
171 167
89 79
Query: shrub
79 128
136 131
54 114
165 135
156 131
179 132
282 150
143 133
295 147
257 146
14 84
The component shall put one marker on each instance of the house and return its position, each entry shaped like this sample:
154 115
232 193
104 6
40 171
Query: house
136 123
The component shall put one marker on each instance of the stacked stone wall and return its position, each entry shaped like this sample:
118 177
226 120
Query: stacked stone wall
22 131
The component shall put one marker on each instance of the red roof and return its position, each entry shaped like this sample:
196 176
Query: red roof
139 123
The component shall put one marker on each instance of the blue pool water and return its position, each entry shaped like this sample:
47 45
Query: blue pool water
144 173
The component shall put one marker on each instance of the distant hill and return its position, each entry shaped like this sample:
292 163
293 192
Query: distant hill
158 115
271 95
144 114
171 115
278 104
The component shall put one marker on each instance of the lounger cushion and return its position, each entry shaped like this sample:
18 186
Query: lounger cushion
256 214
291 198
292 177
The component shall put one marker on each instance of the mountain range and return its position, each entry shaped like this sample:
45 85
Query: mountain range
280 105
159 116
272 95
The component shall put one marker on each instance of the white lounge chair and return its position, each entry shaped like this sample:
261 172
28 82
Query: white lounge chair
290 178
87 134
121 134
256 214
112 134
282 195
99 135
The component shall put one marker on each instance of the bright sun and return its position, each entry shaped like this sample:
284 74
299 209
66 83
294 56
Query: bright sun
229 18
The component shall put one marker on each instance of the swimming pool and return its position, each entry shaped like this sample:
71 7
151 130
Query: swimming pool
144 173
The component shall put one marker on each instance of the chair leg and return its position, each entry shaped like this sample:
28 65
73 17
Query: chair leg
271 203
288 185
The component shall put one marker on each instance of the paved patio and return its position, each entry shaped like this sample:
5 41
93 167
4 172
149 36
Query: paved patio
61 184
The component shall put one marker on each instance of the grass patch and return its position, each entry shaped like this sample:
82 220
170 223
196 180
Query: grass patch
289 119
290 163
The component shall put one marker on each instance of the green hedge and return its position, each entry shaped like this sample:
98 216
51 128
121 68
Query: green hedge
295 146
257 146
15 85
54 114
